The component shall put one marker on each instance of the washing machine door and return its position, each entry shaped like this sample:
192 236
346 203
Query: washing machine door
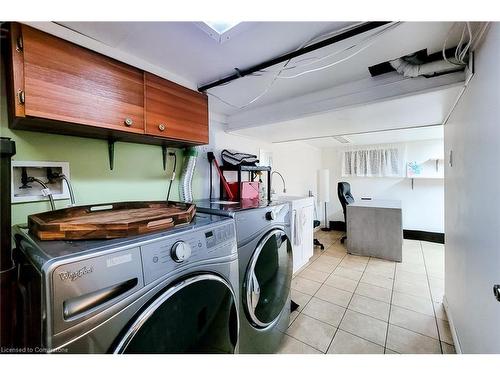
197 315
268 279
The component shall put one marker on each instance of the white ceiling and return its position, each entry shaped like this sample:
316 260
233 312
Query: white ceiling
389 136
184 49
411 111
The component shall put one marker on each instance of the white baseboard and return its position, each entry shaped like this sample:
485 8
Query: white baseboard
453 330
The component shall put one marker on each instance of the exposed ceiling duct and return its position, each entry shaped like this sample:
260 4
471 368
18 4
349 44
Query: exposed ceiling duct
411 70
421 64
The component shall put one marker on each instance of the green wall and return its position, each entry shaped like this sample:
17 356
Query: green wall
138 172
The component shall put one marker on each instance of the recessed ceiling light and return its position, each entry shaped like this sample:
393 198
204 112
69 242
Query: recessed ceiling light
221 26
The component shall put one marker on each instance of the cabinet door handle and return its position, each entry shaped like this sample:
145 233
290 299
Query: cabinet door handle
128 121
162 127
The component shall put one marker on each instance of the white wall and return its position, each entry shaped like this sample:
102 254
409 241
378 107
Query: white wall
296 161
423 207
472 186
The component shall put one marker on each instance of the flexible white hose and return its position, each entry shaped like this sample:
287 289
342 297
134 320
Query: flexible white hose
185 185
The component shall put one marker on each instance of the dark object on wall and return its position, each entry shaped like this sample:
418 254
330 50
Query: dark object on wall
364 27
345 198
7 269
423 236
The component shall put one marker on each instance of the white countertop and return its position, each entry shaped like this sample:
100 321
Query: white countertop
288 198
377 203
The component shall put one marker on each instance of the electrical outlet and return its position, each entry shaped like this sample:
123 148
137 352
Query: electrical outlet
38 169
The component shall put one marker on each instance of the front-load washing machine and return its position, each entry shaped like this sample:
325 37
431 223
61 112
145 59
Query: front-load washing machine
174 291
266 266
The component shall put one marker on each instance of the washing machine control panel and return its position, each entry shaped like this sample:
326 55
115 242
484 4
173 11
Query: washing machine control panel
168 254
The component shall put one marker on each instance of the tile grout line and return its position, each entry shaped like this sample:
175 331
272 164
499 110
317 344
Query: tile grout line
390 306
305 343
323 283
352 296
432 300
303 269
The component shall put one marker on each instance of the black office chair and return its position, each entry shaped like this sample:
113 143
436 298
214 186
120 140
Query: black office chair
345 198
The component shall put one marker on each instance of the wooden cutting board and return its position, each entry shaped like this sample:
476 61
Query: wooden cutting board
113 220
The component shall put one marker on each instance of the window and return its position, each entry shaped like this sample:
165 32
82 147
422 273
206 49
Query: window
373 161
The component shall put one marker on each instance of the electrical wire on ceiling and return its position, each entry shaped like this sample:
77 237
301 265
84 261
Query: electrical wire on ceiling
472 45
468 42
371 40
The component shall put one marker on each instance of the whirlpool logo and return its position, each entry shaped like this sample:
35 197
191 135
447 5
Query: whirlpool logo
74 275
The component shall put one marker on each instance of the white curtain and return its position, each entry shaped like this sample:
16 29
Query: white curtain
373 161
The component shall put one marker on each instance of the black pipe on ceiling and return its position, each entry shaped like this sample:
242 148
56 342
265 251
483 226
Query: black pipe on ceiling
367 26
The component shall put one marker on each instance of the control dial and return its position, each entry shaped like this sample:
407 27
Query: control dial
180 251
270 215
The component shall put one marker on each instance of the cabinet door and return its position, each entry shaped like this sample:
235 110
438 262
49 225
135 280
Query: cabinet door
308 234
175 112
65 82
297 247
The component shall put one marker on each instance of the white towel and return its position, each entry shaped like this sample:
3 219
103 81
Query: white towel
299 223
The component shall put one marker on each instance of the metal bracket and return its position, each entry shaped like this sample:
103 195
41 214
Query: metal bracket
164 156
111 153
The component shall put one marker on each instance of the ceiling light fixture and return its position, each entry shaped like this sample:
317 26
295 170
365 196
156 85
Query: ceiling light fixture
221 26
221 31
340 139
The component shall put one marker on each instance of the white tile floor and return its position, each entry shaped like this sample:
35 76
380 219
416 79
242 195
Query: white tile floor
353 304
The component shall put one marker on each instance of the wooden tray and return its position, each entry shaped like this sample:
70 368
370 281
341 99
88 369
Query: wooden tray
113 220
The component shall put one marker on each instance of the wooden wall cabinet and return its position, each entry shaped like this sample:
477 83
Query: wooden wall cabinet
175 112
59 87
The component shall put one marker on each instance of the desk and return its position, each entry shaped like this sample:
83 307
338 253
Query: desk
375 228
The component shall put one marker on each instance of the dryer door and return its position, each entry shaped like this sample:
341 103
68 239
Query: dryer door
197 315
268 279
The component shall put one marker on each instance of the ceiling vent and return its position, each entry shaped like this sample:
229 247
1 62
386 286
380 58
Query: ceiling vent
341 139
